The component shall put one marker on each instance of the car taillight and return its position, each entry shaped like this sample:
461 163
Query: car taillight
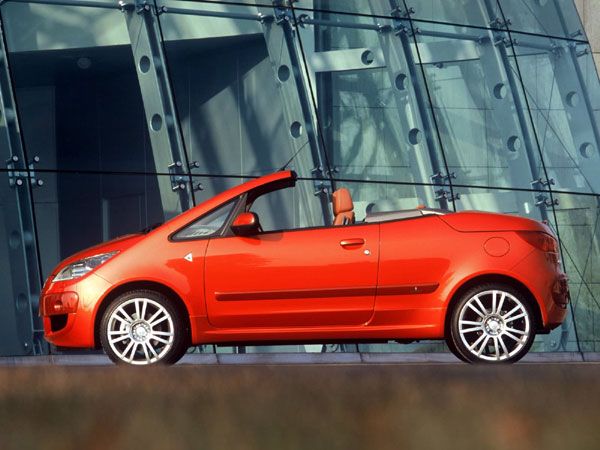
540 240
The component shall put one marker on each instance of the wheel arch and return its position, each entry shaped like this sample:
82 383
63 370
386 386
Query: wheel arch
493 278
134 286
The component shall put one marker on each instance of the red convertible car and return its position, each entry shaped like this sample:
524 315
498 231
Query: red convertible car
486 283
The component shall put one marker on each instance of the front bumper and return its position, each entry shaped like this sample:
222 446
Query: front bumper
68 310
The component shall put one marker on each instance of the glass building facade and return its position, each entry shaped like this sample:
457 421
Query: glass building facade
118 115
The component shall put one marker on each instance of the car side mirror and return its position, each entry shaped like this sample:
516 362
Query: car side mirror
246 224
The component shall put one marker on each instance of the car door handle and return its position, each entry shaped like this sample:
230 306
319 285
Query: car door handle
352 242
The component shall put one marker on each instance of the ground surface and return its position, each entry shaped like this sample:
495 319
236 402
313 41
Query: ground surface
393 406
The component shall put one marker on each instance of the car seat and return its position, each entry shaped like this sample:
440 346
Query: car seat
343 208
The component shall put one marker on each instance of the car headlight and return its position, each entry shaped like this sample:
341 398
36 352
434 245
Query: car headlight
83 266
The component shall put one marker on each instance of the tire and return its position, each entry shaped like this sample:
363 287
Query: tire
453 349
142 328
492 323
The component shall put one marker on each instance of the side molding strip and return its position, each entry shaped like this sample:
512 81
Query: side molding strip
294 294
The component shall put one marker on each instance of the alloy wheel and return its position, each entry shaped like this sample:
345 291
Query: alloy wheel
140 331
495 325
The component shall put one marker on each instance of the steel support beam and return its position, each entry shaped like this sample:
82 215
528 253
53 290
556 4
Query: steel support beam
286 59
159 106
219 14
582 121
509 124
500 39
411 102
19 313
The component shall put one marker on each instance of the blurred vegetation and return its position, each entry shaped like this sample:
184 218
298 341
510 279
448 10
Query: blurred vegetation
301 407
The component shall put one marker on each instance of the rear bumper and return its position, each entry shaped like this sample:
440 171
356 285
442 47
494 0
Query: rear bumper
557 310
549 284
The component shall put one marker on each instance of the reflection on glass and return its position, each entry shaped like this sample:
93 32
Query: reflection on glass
344 6
475 106
561 91
546 17
579 226
244 116
478 13
482 118
77 91
371 102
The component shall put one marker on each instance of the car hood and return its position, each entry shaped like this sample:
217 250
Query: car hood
120 243
473 221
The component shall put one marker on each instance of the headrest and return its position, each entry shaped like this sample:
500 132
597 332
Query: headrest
342 201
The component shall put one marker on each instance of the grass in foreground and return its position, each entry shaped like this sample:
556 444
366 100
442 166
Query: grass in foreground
301 407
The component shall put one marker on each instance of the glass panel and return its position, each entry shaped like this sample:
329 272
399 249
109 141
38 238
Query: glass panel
372 108
578 223
81 109
246 115
270 3
207 187
344 6
546 17
563 91
479 13
75 211
77 90
464 12
481 115
19 274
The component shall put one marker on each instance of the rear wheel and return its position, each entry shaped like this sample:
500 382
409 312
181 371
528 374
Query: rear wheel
453 349
142 328
492 323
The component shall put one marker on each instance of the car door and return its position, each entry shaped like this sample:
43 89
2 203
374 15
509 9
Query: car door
415 259
298 278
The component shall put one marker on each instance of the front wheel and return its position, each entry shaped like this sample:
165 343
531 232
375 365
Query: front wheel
492 323
141 328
